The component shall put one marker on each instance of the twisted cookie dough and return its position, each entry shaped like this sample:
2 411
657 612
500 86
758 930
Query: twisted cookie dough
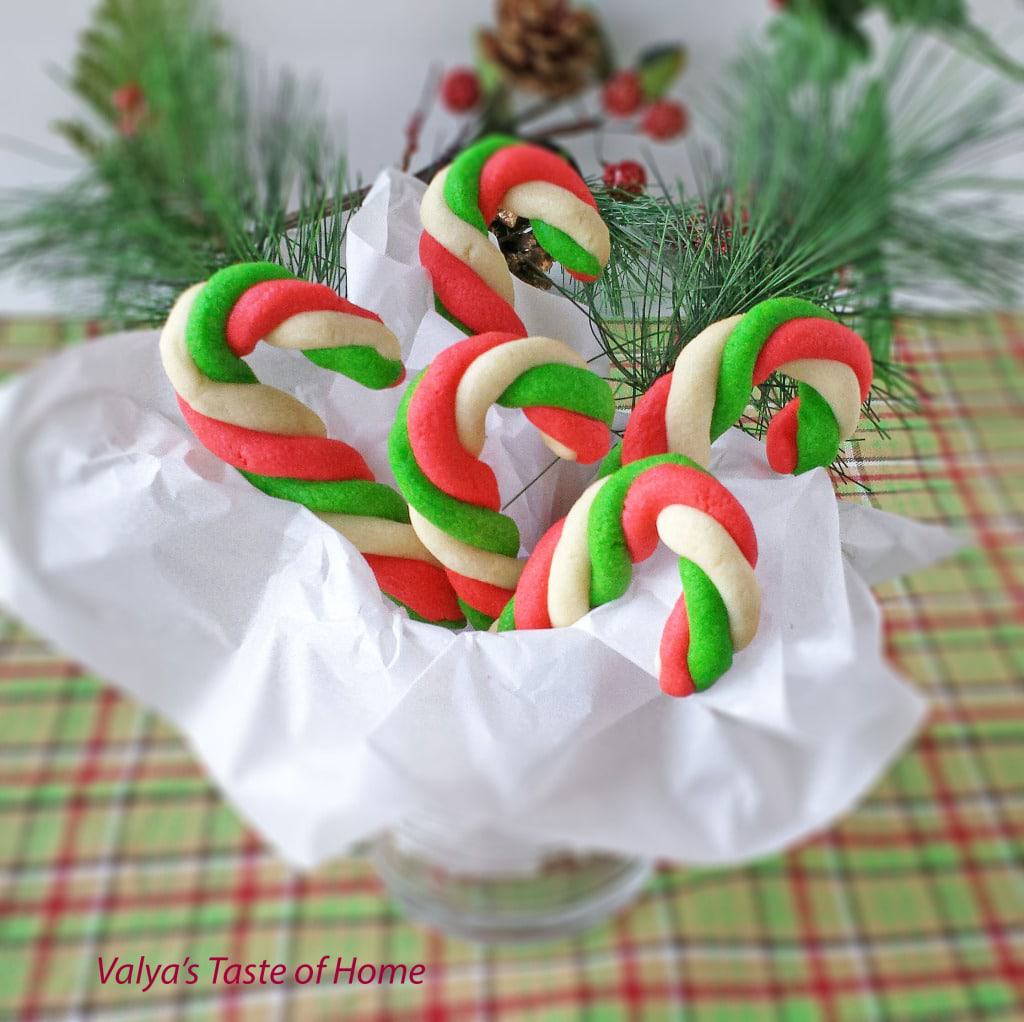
710 387
472 282
586 560
438 434
278 443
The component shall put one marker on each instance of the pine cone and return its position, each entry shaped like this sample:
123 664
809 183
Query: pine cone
545 46
525 258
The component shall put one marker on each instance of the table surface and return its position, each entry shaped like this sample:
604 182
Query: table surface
113 841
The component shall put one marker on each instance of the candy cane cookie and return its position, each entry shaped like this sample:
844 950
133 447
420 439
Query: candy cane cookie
471 280
435 445
586 559
278 443
711 384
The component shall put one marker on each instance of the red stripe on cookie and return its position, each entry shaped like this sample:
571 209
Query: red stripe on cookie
674 650
482 596
531 609
520 164
268 304
646 434
312 458
422 587
664 485
464 293
588 437
780 442
812 337
433 430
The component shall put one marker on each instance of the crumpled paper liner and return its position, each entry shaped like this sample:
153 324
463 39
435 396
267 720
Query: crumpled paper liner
326 715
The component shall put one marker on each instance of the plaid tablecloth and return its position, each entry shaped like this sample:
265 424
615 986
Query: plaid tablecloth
113 842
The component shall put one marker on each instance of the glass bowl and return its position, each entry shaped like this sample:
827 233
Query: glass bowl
496 889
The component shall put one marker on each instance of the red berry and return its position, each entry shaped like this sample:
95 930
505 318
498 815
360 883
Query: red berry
460 90
627 176
130 103
665 120
128 97
622 94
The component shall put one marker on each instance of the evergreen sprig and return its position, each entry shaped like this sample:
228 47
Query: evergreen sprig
206 177
845 192
839 184
842 39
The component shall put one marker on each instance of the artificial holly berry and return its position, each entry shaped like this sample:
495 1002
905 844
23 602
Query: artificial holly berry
628 177
622 94
130 103
460 90
665 120
128 97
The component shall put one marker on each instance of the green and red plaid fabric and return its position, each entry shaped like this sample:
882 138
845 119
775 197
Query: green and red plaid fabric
114 842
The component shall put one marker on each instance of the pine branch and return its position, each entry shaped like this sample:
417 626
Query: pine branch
352 200
201 176
843 193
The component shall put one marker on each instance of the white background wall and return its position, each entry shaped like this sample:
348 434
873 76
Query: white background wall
371 59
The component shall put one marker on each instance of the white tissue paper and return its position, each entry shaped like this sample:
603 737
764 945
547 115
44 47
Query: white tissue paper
326 715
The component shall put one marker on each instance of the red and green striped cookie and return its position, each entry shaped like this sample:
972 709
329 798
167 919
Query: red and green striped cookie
471 280
435 445
586 560
274 440
711 384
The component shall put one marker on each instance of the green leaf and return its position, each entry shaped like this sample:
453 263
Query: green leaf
659 67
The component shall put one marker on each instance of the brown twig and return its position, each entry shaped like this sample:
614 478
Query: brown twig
415 125
539 109
576 127
353 199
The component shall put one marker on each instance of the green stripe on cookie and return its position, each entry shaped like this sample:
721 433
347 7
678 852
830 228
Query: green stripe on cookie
476 526
561 386
748 337
462 185
565 249
341 496
710 653
439 306
817 431
357 361
206 330
507 618
610 566
453 625
477 620
611 462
